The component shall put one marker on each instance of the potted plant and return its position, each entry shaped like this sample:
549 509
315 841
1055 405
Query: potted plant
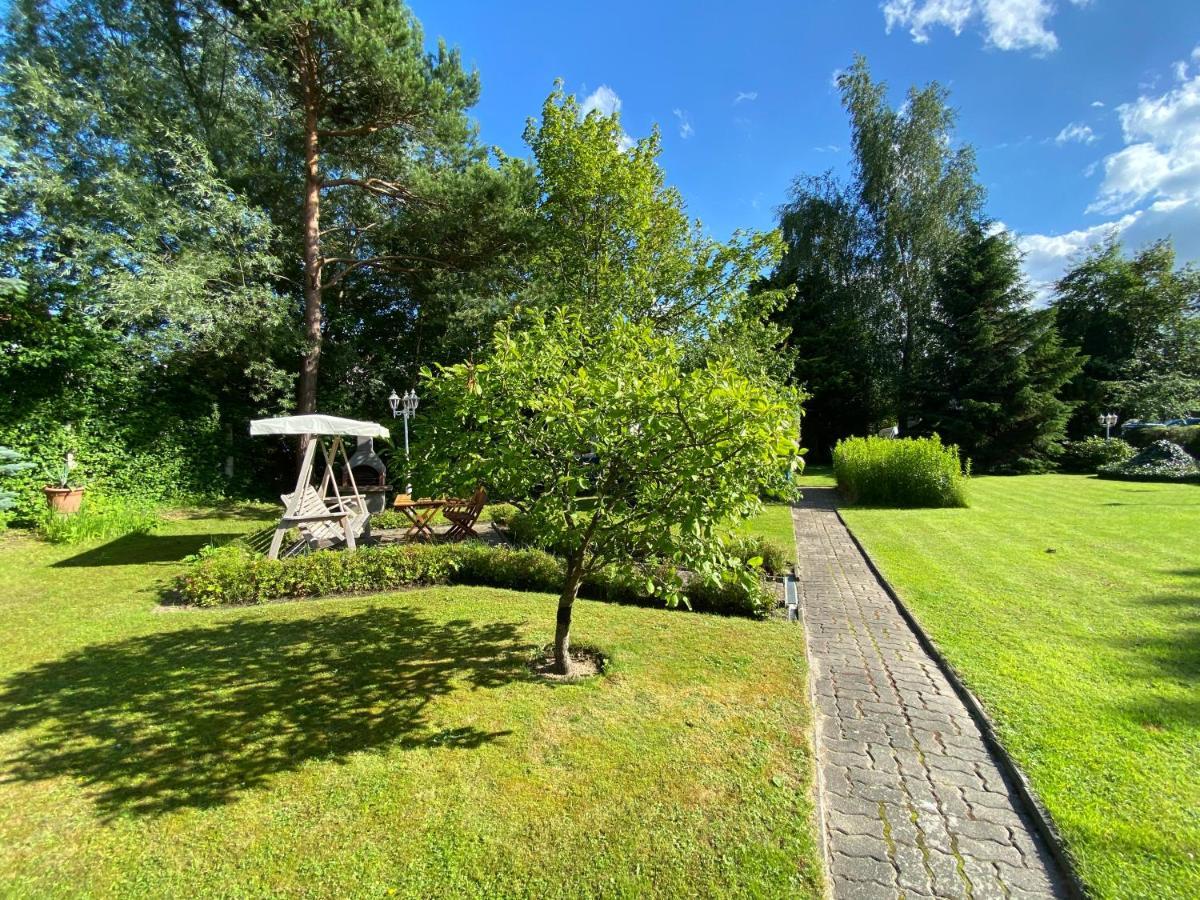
61 497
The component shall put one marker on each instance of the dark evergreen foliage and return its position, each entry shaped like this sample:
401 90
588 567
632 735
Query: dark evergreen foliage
991 379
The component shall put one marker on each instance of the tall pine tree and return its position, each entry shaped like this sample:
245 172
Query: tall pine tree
991 380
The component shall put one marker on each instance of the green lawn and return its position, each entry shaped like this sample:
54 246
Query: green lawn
1072 608
775 520
384 744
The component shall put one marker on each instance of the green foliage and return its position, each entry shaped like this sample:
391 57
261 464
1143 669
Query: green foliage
615 450
917 189
11 463
233 575
149 162
1161 461
99 518
909 472
1186 436
1092 452
991 379
771 556
865 257
1135 318
612 239
835 318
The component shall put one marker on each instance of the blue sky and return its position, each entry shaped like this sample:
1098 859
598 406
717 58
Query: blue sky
1085 114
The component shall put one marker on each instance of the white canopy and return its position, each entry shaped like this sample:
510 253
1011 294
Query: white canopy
317 424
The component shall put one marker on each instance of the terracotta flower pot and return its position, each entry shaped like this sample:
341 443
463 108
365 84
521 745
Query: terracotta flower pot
64 501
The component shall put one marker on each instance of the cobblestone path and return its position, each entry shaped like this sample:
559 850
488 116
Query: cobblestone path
912 802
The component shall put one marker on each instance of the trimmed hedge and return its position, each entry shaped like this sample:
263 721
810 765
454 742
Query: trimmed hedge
1091 453
1186 436
904 472
233 575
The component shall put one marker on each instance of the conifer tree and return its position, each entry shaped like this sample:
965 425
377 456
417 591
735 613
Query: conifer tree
991 380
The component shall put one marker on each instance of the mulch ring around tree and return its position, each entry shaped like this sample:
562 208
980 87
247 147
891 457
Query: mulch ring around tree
586 662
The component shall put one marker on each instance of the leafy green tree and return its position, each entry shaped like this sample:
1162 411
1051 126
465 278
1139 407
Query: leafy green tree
835 319
616 448
611 237
991 380
1133 317
371 108
918 192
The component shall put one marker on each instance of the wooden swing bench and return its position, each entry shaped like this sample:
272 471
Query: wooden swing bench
323 519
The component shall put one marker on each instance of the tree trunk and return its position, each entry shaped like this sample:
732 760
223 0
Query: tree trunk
562 628
306 398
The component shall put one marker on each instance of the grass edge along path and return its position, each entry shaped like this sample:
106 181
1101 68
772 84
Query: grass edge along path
1071 607
387 743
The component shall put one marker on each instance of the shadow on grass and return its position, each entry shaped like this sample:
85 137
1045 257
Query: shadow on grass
141 549
1174 658
195 717
259 512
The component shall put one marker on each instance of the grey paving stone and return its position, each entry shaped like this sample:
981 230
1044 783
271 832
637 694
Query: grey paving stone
898 746
862 868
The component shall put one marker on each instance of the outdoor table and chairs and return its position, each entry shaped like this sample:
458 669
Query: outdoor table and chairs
420 513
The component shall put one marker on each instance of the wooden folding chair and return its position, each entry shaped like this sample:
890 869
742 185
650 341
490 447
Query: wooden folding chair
463 514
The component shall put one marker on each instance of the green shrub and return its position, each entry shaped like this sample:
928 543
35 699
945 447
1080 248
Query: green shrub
905 472
500 513
1161 461
773 555
522 569
1186 436
1091 453
99 517
732 596
234 575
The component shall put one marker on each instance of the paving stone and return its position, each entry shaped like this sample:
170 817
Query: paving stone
898 746
984 831
862 868
871 826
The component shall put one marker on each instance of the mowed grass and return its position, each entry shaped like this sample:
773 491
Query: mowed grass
775 520
385 746
1071 606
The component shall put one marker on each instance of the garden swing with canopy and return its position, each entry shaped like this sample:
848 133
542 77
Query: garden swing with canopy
322 517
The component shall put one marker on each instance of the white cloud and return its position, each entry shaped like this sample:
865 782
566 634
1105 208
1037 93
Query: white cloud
1048 255
1008 24
1161 157
745 95
828 148
685 123
605 101
1151 187
1098 104
1076 132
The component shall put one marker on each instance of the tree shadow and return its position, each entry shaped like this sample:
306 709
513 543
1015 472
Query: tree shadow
142 549
263 511
1174 658
198 716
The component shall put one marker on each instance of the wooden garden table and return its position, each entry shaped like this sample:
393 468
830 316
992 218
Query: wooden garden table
420 513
